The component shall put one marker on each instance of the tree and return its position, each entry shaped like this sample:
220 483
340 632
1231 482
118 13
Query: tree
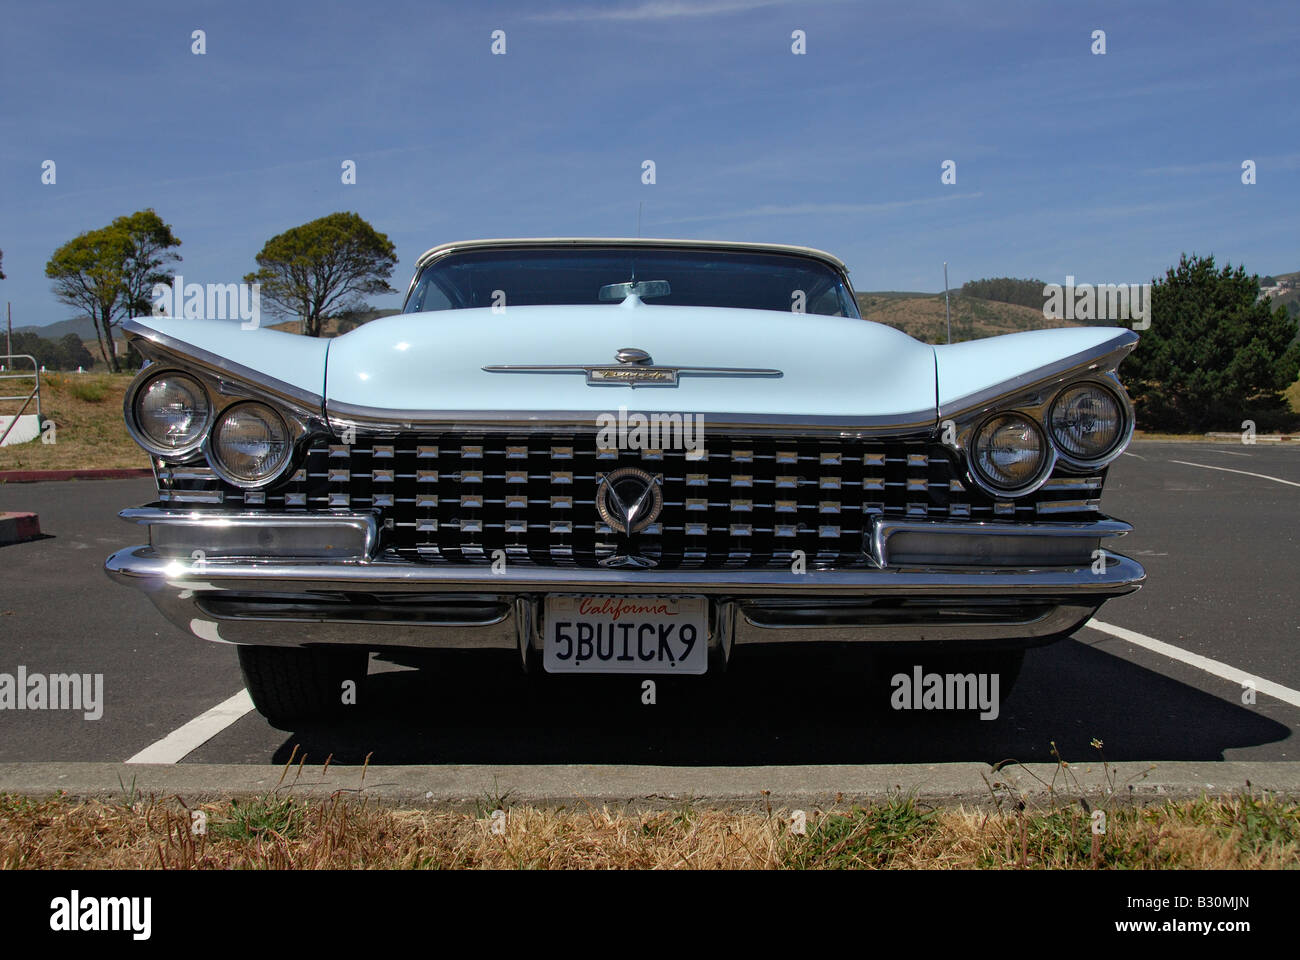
1215 353
72 353
66 353
322 266
106 273
2 263
1027 293
148 251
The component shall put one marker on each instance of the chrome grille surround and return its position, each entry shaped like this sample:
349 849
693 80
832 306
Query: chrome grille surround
750 502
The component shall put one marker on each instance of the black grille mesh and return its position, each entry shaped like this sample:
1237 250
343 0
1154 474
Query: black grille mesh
749 502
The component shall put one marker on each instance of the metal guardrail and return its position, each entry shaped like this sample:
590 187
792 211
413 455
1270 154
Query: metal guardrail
27 398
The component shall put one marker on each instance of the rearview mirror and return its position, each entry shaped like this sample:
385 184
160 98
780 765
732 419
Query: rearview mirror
642 289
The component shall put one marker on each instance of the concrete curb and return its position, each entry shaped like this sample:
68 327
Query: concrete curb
17 527
648 787
1214 438
1259 437
40 476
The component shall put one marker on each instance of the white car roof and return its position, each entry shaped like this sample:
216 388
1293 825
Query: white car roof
739 246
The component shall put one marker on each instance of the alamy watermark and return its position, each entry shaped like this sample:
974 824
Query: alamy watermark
209 301
655 431
946 691
76 913
1098 301
55 691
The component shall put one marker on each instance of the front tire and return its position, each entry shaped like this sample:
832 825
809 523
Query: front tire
288 684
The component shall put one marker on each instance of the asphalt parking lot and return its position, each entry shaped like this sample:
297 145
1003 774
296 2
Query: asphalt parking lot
1215 527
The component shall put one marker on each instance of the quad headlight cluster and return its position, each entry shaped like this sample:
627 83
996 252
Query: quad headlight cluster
1085 426
247 443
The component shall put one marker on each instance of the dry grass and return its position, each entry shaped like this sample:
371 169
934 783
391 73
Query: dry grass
88 431
281 832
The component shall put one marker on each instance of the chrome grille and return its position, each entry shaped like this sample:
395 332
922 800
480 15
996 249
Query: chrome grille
747 502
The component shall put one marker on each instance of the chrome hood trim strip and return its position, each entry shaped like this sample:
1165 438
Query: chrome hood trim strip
381 420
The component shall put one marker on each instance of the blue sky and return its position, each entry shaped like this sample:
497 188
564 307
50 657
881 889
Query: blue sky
1103 167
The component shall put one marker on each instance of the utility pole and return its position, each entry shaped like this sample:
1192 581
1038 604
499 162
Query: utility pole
946 312
9 327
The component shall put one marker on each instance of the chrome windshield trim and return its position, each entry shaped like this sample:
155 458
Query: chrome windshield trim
383 420
739 246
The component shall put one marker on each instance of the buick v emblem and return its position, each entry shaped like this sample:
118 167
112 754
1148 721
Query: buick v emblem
629 500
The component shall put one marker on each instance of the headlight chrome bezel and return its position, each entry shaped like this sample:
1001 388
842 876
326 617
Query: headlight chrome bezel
1122 438
130 414
210 450
1040 475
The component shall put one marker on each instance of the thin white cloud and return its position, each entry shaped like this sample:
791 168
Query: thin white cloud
1288 161
822 209
659 10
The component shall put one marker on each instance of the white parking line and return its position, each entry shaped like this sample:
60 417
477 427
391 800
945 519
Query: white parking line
1216 667
1262 476
181 741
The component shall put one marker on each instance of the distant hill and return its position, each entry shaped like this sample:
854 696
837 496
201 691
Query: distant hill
1291 298
330 326
81 326
921 315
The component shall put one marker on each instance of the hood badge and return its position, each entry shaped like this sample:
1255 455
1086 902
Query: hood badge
634 368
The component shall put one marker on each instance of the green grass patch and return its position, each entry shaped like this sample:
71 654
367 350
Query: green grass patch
862 837
259 817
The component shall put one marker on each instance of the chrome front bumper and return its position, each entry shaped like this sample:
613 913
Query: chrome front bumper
333 597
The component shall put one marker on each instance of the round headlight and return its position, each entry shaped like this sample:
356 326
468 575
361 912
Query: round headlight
171 413
250 444
1008 451
1086 421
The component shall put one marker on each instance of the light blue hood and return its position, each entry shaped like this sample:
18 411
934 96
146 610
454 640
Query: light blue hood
844 368
836 371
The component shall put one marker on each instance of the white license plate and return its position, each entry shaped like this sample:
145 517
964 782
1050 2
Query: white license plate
625 634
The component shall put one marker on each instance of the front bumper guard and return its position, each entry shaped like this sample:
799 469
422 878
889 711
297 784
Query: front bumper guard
378 603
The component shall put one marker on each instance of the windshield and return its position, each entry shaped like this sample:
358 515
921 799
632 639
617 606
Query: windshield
690 277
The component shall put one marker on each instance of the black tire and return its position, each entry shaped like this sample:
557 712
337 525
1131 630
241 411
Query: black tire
289 684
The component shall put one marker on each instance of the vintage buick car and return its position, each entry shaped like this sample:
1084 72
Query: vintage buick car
621 456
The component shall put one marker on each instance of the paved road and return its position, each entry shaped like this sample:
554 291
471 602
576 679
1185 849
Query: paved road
1220 548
